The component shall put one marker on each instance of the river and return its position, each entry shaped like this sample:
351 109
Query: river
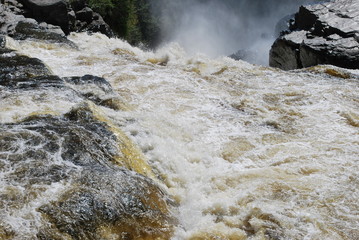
246 151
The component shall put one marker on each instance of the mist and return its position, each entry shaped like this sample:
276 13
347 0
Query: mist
222 27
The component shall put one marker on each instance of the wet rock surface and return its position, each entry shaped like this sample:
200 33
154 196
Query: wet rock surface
49 11
325 33
95 199
15 68
29 29
73 175
70 16
97 90
84 19
22 73
21 28
246 55
91 81
49 20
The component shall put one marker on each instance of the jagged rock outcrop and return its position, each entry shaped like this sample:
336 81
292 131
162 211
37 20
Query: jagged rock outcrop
61 13
21 28
325 33
84 19
54 16
49 11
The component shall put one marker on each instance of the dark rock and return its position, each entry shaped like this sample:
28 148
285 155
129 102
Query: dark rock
92 24
14 6
69 166
49 11
285 52
97 90
85 15
8 20
86 20
326 33
77 5
22 73
246 55
34 83
283 25
14 68
2 41
97 82
21 28
56 18
72 18
32 30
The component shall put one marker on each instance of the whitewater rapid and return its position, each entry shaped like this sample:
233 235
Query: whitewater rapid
246 152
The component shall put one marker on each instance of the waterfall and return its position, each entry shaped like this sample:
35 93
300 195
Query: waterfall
222 27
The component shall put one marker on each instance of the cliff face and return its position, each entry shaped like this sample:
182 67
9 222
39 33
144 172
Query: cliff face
326 33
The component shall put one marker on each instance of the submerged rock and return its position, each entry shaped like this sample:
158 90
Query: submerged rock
15 68
19 72
246 55
96 89
90 81
71 177
325 33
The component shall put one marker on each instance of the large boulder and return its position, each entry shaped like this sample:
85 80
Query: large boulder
70 179
325 33
21 28
49 11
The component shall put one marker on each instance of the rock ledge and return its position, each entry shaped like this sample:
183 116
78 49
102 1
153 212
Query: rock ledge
325 33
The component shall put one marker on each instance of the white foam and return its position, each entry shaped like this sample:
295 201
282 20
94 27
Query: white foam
231 141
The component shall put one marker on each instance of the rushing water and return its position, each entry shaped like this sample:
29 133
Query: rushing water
247 152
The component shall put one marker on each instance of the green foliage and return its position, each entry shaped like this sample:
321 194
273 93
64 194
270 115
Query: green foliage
129 19
101 6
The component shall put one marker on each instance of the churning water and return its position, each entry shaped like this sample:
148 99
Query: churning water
246 152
